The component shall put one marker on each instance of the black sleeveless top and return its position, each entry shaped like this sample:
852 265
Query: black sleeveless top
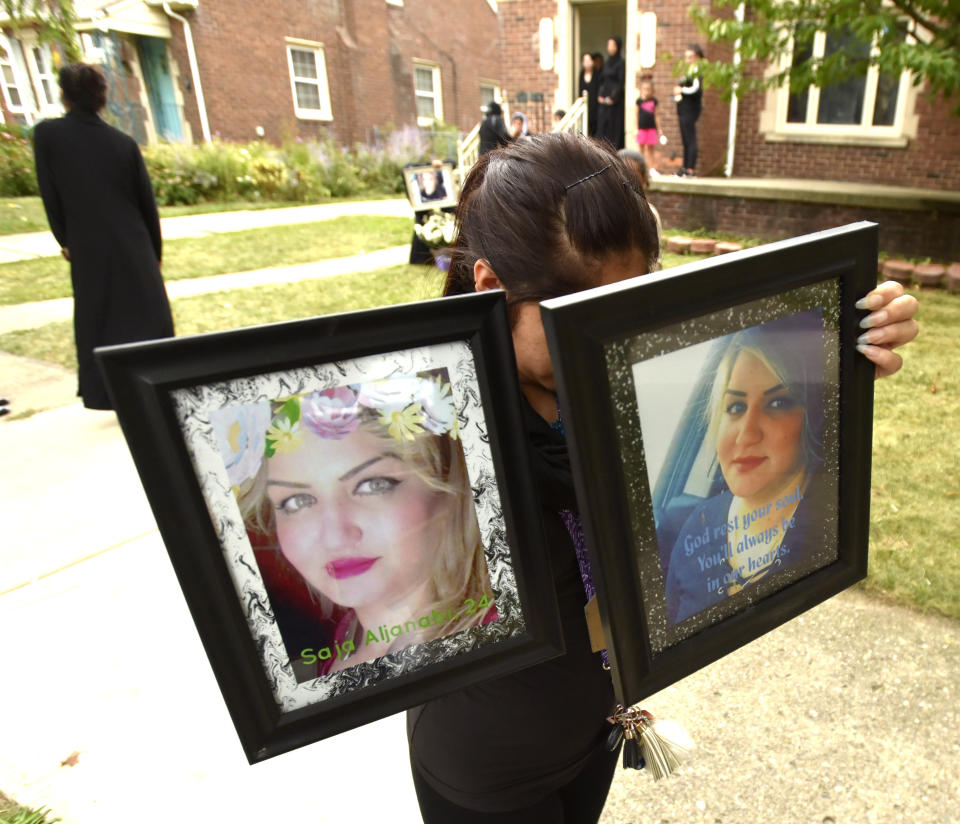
507 743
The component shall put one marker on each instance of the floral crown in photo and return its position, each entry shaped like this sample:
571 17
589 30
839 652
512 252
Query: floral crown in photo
406 407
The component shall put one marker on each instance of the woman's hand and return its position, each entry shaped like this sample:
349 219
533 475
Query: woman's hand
890 324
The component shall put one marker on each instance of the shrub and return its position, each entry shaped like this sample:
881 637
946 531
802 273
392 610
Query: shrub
302 170
17 173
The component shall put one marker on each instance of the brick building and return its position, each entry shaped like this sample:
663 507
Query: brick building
299 67
873 130
189 69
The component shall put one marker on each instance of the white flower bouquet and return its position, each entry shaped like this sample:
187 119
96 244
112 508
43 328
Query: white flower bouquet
437 230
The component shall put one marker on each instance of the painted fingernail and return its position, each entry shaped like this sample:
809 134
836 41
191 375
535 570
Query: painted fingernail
871 336
873 319
863 348
871 301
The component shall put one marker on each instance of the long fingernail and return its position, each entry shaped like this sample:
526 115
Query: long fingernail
863 348
871 336
873 319
871 301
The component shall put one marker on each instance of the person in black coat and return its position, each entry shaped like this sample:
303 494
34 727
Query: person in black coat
688 94
588 82
610 96
101 210
493 131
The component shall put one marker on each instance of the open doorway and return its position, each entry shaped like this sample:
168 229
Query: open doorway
594 24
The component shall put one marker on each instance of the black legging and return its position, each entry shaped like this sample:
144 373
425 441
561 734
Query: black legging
688 134
580 801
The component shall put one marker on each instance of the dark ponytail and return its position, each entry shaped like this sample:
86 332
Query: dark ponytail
546 213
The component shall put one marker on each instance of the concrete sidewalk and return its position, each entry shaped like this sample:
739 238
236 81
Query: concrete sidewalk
42 244
846 714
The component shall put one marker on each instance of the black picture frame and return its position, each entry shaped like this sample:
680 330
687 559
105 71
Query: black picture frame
604 340
169 396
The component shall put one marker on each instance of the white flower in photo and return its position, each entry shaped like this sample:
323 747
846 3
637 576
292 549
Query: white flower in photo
392 394
240 431
439 414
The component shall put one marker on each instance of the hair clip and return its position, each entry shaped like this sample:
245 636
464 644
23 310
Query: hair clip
635 187
583 179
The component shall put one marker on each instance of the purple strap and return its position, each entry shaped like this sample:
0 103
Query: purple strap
571 520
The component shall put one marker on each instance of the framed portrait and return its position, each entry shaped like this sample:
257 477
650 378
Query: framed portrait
719 422
431 187
346 503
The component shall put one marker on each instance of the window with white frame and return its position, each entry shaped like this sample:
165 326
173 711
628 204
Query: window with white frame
44 80
870 106
308 80
426 82
489 92
17 94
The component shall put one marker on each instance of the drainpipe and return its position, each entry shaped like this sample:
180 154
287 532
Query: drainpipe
734 100
194 69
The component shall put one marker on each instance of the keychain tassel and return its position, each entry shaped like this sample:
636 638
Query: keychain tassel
665 745
661 745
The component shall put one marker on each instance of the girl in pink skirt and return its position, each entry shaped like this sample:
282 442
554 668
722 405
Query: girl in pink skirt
649 133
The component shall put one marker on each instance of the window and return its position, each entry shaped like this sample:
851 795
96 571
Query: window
308 79
17 94
426 81
44 80
489 92
867 108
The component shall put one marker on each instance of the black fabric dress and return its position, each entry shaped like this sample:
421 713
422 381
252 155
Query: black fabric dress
508 743
100 206
590 87
610 117
689 107
493 133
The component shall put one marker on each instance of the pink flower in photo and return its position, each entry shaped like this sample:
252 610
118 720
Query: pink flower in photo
331 413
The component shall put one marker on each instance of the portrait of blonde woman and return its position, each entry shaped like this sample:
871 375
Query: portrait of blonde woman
765 423
363 490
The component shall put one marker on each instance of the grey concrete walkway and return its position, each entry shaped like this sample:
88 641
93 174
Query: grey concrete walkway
40 244
847 714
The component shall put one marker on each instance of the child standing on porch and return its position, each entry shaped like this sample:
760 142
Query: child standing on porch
649 133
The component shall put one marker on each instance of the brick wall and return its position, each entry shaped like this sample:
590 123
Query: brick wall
930 160
462 37
369 48
520 19
675 31
916 233
520 46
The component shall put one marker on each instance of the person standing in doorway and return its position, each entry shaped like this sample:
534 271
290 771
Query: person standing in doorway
688 94
587 85
101 209
610 96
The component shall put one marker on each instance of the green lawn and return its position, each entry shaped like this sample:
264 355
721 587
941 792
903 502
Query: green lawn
25 214
249 307
915 508
49 277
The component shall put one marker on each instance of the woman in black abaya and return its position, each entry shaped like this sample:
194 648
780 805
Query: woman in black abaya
610 96
588 82
101 210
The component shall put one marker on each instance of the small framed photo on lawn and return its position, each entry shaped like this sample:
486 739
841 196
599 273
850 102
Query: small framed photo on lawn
431 187
346 503
719 421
